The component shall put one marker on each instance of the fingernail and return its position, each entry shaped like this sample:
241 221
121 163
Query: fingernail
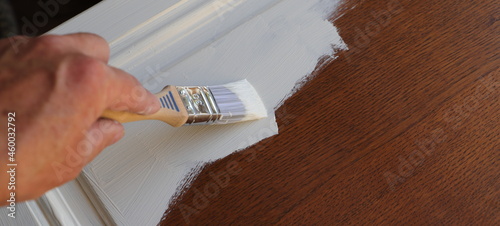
153 108
147 111
150 110
118 137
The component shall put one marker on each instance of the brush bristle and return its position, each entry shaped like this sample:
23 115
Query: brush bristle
238 101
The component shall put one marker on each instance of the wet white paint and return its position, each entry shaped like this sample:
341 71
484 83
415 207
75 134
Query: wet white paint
273 49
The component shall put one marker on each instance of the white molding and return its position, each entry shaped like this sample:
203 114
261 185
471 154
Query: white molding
37 211
60 208
70 205
180 29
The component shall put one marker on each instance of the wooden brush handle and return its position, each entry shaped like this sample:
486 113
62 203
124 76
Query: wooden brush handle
172 112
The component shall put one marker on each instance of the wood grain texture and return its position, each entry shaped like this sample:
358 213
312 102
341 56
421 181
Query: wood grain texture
402 128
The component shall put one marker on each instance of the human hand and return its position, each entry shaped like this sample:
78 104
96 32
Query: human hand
57 87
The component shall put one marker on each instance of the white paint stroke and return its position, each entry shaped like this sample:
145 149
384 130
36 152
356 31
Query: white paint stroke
137 177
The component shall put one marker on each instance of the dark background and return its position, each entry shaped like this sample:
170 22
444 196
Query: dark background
31 10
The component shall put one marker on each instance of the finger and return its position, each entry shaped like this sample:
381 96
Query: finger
89 44
125 93
103 133
86 44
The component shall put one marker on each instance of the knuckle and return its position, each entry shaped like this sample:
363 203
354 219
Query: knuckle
87 65
85 70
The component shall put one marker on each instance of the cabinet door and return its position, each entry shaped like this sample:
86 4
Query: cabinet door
272 43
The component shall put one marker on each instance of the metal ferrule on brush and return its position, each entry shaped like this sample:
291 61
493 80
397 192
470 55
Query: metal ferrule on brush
200 104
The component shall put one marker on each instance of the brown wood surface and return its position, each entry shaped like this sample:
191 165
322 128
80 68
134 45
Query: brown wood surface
401 129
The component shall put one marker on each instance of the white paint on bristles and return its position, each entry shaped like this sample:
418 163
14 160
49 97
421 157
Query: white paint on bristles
274 44
237 102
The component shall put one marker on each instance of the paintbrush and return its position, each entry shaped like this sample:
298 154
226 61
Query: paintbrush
185 105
